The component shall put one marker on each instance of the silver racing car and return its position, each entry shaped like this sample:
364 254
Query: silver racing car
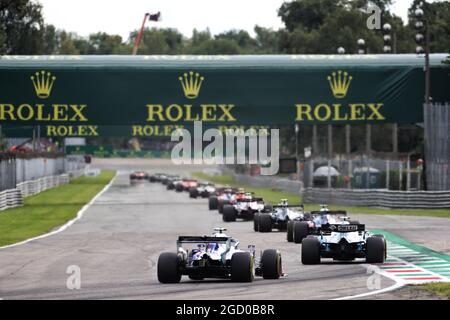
217 256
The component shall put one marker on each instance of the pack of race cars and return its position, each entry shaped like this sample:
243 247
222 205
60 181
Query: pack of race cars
323 234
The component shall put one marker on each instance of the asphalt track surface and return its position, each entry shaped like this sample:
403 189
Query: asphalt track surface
117 242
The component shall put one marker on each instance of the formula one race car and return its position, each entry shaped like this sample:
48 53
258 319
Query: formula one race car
217 256
344 241
186 184
298 230
204 190
170 181
157 177
139 175
280 217
244 207
222 196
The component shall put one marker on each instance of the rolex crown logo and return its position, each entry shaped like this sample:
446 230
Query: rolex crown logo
191 83
43 83
339 83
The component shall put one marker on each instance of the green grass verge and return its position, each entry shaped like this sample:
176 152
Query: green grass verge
274 196
47 210
439 288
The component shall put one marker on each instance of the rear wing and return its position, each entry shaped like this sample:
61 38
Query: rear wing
343 227
250 200
201 239
335 212
222 189
290 206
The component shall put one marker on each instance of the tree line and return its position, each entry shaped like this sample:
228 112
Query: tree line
310 27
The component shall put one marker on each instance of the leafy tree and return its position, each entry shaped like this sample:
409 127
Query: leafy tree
216 47
159 41
241 37
66 43
308 14
23 27
268 41
438 15
103 43
199 37
50 45
2 41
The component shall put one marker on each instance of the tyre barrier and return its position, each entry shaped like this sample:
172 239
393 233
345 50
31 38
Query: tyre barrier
10 198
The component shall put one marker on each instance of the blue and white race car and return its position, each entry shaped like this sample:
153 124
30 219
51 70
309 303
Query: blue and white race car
344 241
313 221
281 217
204 190
217 256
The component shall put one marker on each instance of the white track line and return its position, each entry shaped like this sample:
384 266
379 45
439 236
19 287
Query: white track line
68 224
398 284
395 286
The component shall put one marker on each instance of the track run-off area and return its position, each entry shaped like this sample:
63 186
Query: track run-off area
116 243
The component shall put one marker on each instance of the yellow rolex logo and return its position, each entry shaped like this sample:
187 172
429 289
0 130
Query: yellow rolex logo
43 83
340 83
191 84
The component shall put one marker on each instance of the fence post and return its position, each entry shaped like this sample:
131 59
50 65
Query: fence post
387 174
408 175
367 173
400 175
329 174
419 177
350 173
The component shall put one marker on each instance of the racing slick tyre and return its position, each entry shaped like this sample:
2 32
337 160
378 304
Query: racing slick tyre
300 231
213 203
170 186
385 244
256 221
220 205
229 213
168 268
271 264
265 223
268 208
242 267
310 251
290 231
193 193
375 250
179 188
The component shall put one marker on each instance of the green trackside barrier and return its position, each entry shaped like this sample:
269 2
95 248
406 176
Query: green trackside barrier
78 95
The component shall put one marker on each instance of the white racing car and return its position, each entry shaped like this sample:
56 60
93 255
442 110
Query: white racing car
281 217
244 207
344 241
204 190
216 256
